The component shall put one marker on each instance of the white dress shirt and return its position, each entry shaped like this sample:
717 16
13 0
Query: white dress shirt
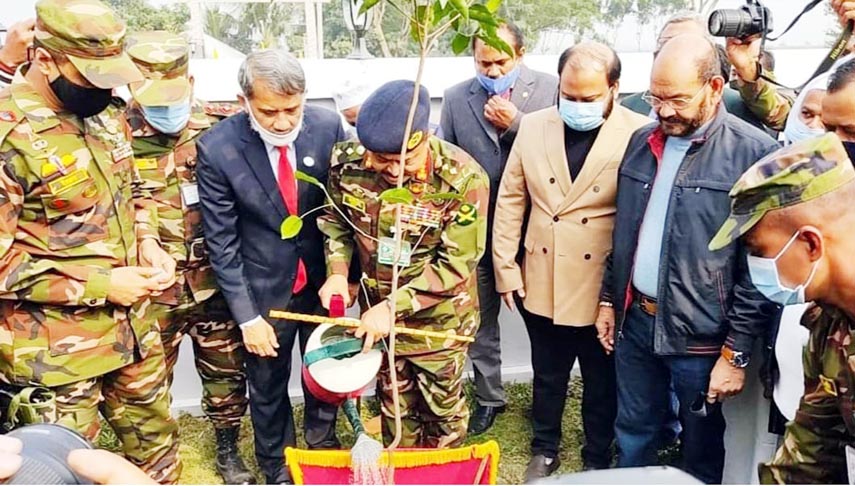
273 156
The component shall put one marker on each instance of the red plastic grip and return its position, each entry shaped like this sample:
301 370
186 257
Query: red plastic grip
337 306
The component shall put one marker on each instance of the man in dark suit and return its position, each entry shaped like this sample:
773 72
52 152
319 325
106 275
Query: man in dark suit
247 187
482 116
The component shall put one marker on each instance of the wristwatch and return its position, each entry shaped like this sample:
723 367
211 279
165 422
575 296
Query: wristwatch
737 359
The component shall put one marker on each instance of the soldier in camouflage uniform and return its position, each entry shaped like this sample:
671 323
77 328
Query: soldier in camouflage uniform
166 121
79 248
444 233
794 209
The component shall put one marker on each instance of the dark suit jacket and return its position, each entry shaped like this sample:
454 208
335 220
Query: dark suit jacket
463 124
242 211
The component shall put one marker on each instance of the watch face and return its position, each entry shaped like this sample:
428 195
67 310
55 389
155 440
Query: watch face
739 360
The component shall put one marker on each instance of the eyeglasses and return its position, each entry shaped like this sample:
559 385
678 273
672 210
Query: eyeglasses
675 103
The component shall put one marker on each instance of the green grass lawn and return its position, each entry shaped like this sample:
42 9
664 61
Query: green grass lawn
512 431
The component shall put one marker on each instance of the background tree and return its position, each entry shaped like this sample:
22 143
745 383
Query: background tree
139 15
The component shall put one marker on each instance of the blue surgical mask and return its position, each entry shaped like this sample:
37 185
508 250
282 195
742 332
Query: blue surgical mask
582 117
796 131
500 85
765 276
167 119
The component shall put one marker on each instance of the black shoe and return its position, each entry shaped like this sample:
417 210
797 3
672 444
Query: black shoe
483 418
540 467
229 464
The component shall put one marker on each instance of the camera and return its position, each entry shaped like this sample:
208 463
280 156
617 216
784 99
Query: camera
46 448
750 19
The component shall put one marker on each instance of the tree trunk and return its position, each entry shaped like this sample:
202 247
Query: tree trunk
378 28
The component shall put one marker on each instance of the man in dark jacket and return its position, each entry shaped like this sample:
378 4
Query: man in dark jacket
685 315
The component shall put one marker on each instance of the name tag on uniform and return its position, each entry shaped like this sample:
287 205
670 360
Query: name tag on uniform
850 464
353 202
190 194
123 150
145 164
386 252
68 181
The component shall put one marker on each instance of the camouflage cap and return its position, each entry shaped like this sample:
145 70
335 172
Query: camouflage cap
789 176
163 58
90 34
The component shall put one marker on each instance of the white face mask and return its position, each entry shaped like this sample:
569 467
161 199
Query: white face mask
275 139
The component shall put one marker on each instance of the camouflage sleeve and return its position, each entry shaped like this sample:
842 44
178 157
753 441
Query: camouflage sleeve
812 450
145 220
766 101
464 239
338 234
40 280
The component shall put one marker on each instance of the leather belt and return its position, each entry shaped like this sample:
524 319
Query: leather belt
647 304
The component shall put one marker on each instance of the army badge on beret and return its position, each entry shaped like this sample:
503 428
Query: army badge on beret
415 139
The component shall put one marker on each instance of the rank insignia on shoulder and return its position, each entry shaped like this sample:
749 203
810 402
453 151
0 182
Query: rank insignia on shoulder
466 215
828 385
56 164
353 202
145 164
8 116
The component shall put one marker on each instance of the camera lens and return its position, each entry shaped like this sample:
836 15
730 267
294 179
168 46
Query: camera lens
45 454
731 23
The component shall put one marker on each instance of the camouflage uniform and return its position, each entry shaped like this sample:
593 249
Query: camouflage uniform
447 229
72 211
167 165
813 449
767 101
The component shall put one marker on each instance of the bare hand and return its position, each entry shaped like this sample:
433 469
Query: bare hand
10 456
508 299
845 10
19 38
744 54
100 466
500 112
260 339
605 325
335 285
154 256
128 285
104 467
726 381
376 324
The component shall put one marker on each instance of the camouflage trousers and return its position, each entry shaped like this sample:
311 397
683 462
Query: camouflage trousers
217 350
433 408
135 402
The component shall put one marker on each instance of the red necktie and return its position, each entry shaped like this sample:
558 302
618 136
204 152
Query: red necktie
288 190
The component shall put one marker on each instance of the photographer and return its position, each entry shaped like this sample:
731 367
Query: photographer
763 98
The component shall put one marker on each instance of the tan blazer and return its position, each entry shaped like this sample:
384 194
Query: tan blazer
570 228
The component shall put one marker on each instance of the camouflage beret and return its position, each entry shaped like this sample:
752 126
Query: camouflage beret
787 177
91 36
383 117
164 59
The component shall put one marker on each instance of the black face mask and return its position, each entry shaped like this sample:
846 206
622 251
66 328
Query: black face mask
850 149
83 102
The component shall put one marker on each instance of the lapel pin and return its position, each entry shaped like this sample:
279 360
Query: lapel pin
308 161
525 94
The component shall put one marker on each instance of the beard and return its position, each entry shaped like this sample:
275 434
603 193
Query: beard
677 126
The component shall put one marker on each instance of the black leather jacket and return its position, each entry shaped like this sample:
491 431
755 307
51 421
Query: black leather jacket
706 299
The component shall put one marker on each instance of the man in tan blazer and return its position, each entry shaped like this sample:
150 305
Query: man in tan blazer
564 166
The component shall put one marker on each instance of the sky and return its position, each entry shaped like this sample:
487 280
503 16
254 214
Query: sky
810 31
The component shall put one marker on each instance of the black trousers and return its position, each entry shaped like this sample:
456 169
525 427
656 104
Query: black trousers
269 403
554 350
